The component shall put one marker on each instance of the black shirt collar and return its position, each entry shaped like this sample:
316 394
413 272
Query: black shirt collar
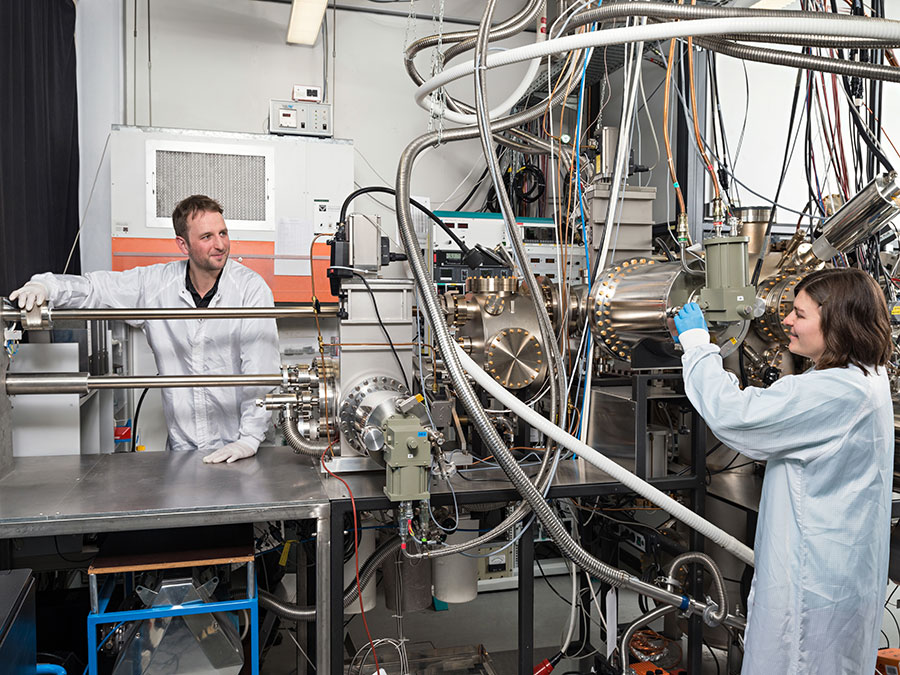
199 301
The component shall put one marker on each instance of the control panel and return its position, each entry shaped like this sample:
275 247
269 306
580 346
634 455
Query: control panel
300 118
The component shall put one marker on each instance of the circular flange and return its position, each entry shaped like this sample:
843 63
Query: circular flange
515 358
492 284
778 294
360 402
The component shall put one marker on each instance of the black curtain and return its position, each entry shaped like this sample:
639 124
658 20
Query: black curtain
38 140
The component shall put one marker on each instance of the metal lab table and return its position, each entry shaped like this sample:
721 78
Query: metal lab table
140 491
48 496
574 478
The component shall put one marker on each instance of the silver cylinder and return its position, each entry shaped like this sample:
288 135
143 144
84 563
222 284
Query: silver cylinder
861 217
631 301
10 313
754 221
82 383
47 383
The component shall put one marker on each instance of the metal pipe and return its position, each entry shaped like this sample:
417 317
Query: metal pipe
802 61
660 10
296 440
9 313
718 582
295 612
82 383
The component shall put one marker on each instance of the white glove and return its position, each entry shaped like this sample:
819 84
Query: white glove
31 294
232 452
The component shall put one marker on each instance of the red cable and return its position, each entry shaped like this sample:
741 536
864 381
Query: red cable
356 530
362 610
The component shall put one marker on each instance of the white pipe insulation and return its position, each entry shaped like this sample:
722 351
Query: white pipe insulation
616 472
879 29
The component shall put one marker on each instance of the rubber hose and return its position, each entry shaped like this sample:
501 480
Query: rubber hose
49 669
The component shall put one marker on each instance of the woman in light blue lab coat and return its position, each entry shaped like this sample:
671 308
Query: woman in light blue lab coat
827 436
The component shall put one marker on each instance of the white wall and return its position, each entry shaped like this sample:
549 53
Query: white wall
99 40
216 64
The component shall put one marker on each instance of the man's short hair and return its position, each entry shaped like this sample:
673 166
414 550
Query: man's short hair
190 206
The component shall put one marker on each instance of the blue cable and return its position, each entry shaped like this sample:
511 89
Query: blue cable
587 252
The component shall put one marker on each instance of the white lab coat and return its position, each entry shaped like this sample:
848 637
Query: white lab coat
198 418
822 538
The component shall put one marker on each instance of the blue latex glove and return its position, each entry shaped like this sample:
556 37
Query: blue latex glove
690 316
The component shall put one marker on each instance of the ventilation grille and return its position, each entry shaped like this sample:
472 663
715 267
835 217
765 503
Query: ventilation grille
237 182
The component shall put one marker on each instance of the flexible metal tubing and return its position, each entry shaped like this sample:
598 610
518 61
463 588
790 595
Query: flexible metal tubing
294 612
660 10
592 456
869 28
462 113
815 41
548 336
515 24
718 582
528 14
649 617
467 395
465 392
802 61
295 439
434 312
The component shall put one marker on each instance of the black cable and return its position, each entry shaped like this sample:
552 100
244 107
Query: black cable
715 658
71 560
659 241
787 156
472 192
391 191
549 585
137 414
729 467
538 185
387 336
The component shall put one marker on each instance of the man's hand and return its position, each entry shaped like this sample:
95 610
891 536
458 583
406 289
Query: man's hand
31 294
231 453
690 316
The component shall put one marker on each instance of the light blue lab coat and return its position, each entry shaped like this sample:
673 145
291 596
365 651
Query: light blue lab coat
822 539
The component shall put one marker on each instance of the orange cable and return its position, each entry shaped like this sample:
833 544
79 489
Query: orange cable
669 160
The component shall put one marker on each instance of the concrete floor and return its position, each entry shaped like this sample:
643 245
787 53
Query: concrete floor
489 620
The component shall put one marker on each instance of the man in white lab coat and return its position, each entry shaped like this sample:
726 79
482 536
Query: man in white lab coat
224 420
827 435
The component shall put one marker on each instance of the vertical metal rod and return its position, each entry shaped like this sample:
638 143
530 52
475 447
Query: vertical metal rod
92 584
332 595
526 601
639 394
302 590
698 459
